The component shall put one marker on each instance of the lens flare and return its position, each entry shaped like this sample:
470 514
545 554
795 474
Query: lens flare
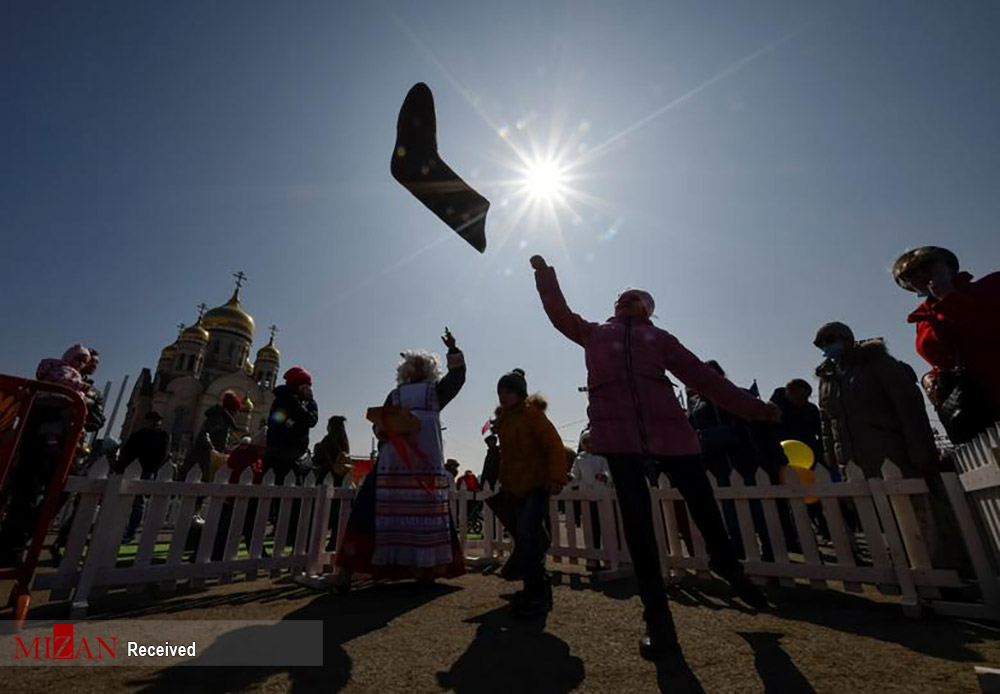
544 180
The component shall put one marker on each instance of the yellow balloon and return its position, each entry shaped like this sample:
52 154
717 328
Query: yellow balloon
799 454
806 478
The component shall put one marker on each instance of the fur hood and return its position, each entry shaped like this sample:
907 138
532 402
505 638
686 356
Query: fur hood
537 400
864 351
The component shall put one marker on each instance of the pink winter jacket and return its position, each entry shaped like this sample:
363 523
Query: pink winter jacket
633 408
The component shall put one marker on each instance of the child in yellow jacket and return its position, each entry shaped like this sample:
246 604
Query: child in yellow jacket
532 468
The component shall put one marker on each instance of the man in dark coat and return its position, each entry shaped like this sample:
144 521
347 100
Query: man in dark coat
871 407
150 446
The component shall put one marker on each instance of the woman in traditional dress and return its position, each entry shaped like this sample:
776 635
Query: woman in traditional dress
401 525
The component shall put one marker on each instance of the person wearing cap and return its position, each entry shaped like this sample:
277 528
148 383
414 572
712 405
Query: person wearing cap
634 417
871 411
532 470
870 406
293 414
957 331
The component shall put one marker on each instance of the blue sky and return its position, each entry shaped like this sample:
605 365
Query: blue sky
151 149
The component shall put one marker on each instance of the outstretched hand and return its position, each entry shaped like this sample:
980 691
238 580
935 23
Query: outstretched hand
448 339
538 262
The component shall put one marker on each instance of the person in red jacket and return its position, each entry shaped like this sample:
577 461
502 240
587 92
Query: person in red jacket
958 322
468 481
634 417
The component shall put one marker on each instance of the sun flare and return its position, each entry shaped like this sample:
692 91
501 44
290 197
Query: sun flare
544 180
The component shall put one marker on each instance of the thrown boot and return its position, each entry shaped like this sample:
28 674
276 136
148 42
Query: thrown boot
417 165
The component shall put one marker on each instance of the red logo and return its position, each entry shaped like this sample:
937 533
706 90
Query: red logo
62 646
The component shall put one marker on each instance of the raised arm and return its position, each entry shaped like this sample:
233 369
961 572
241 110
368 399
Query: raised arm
565 321
449 386
719 390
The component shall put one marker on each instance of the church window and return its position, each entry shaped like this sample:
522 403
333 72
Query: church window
191 362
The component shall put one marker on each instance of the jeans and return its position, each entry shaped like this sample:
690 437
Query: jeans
688 475
532 533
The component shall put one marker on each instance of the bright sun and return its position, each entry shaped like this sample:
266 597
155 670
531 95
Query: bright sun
544 180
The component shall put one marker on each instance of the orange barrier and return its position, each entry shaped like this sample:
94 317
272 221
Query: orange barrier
17 397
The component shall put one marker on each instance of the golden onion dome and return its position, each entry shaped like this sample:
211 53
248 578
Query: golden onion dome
247 404
230 316
169 351
196 333
269 352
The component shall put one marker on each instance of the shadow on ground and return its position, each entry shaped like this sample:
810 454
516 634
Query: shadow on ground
831 609
510 656
344 618
775 668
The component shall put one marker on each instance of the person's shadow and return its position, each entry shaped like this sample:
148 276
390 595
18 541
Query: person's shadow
512 656
344 618
774 666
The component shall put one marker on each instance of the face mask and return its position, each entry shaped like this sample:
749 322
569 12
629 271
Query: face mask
833 350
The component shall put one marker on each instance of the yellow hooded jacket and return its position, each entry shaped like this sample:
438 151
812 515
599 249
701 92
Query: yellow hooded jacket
531 452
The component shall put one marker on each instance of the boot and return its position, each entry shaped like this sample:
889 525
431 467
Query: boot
660 640
417 165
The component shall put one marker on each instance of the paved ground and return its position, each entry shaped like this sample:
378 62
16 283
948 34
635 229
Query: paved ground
456 636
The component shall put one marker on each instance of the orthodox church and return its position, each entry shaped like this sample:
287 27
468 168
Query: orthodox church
207 359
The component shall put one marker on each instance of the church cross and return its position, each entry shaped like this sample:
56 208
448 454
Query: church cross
240 278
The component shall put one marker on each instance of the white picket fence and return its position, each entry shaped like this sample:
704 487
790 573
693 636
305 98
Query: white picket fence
91 563
900 559
978 466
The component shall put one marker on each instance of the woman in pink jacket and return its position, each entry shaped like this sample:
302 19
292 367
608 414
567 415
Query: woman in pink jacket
634 416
